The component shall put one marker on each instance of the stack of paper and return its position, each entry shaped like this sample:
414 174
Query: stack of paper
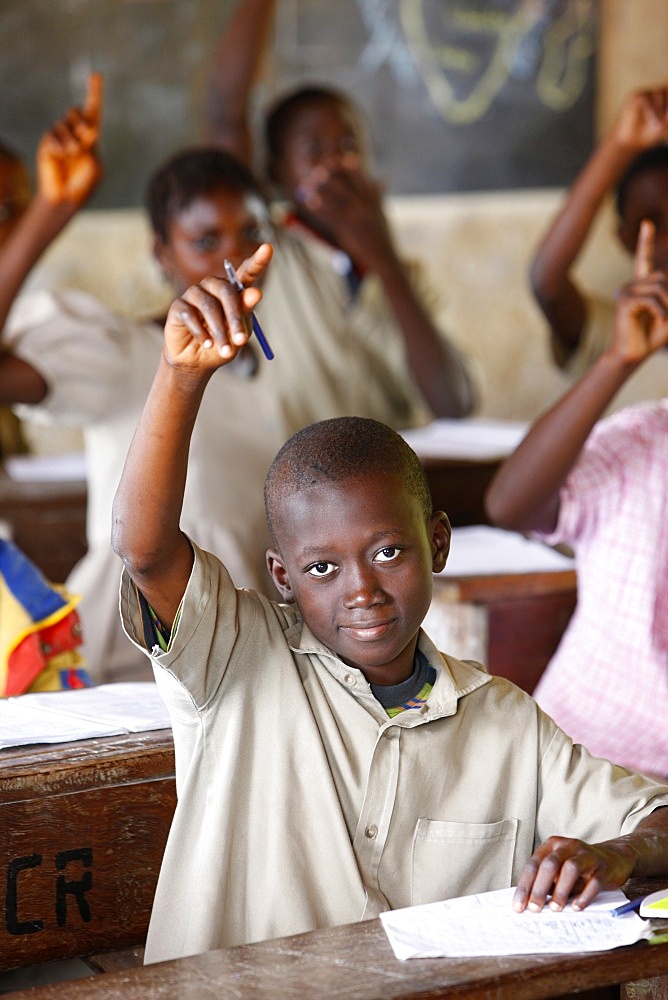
60 716
480 550
486 924
474 439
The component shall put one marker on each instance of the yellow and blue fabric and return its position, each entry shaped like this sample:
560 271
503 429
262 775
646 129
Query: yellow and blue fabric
40 631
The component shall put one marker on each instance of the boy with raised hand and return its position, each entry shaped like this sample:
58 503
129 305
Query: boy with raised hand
630 158
336 230
331 763
602 488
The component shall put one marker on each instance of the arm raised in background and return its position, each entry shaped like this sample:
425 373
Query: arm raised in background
235 69
524 494
641 124
346 204
68 171
205 329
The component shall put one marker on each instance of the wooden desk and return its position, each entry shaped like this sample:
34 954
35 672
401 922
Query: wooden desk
83 828
356 962
47 521
512 622
458 487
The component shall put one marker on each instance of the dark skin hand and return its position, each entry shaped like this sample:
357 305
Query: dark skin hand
572 871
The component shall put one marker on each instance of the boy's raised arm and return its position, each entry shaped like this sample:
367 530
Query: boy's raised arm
205 329
641 124
524 494
235 68
68 171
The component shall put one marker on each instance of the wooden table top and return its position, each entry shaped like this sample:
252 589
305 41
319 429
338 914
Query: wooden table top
356 962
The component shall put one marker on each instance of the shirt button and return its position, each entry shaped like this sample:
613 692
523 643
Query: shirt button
350 679
424 709
371 832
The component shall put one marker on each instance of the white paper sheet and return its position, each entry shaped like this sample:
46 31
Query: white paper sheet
60 716
486 924
479 550
475 438
64 468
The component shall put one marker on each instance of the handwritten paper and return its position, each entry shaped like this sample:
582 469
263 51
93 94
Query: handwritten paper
486 924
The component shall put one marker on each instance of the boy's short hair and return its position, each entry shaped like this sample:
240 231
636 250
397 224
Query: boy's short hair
655 158
282 114
337 449
190 174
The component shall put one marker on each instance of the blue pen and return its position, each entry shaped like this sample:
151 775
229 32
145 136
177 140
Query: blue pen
628 907
257 329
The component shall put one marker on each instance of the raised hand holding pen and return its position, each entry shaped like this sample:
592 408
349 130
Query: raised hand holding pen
209 324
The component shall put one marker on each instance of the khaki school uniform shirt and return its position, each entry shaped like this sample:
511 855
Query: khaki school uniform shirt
302 805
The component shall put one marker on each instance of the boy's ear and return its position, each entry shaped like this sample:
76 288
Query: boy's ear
279 575
440 533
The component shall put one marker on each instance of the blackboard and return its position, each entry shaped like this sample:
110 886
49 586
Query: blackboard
460 95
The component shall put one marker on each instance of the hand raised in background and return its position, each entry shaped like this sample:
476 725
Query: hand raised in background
68 166
641 316
643 119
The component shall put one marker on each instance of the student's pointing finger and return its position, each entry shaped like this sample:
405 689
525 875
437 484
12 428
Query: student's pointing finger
643 264
93 101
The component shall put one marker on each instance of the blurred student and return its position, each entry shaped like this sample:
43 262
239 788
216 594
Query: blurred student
602 488
631 160
68 359
318 156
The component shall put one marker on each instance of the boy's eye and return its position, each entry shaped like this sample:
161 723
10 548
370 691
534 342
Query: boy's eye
321 569
205 244
388 553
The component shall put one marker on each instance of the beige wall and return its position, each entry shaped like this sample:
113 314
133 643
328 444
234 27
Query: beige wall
633 51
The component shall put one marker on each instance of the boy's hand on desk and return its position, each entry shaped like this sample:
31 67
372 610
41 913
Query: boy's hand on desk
68 167
209 324
563 868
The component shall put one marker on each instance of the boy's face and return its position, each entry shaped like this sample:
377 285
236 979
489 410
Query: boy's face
214 227
647 198
357 559
323 133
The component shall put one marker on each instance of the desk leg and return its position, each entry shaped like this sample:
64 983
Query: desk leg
459 629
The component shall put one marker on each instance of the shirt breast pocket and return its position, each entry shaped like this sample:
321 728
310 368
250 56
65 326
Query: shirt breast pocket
456 859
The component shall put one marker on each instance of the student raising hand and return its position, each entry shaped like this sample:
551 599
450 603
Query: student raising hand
209 324
68 167
641 316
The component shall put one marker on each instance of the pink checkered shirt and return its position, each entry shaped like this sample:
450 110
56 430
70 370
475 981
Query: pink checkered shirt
607 684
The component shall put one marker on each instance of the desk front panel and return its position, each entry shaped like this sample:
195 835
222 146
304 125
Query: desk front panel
83 827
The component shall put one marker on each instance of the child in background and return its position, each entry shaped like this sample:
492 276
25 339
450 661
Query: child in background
68 359
630 159
331 763
602 488
317 157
